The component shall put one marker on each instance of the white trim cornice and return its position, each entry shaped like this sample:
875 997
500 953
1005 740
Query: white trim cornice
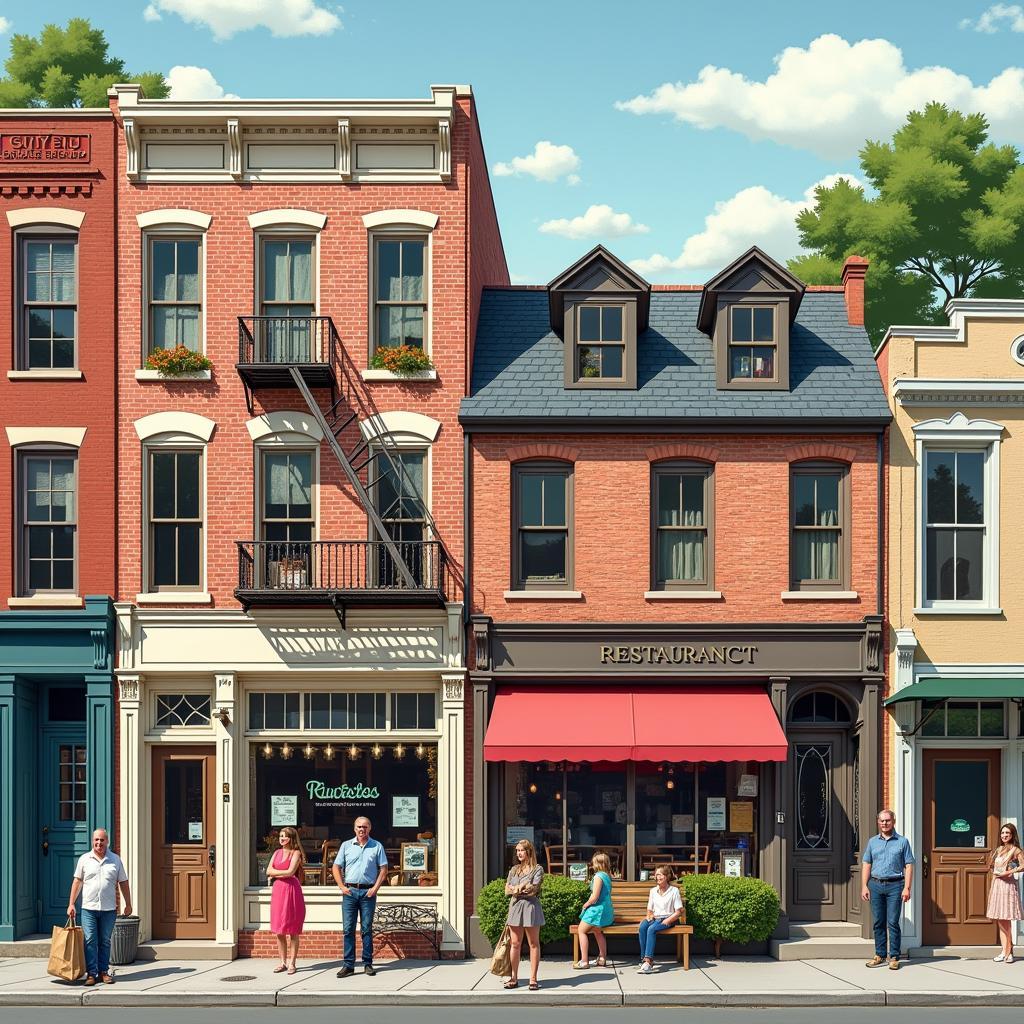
400 218
29 215
169 217
286 218
271 424
66 436
189 424
958 428
959 312
398 423
962 391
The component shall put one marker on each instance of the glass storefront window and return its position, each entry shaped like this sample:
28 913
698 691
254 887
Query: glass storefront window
963 718
361 711
321 788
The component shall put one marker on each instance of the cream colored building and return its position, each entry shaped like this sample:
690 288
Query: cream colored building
955 745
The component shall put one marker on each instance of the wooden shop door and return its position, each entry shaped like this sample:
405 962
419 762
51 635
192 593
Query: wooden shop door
961 827
184 842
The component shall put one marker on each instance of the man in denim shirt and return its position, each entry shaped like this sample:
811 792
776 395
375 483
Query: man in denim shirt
885 880
359 869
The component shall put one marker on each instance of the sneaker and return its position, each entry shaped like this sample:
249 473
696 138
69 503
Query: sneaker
370 970
1009 958
346 971
876 961
999 959
646 968
894 964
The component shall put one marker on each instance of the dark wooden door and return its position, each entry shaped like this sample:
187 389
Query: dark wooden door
184 843
961 827
820 837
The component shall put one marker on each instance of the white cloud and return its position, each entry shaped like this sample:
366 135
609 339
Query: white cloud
547 162
188 82
831 96
226 17
753 216
600 221
990 20
5 24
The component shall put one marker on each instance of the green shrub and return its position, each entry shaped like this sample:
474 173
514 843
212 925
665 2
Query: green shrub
561 899
739 910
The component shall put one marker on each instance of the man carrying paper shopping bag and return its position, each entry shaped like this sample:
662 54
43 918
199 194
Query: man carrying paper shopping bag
97 876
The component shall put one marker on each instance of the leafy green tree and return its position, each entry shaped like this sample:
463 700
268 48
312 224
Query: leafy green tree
946 220
67 67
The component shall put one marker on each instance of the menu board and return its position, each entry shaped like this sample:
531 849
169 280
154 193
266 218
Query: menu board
284 810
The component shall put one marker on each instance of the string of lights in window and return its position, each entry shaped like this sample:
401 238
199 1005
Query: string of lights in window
328 751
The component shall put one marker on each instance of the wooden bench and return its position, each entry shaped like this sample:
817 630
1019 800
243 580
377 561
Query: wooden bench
629 901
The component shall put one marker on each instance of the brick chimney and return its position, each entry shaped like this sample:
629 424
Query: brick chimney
855 269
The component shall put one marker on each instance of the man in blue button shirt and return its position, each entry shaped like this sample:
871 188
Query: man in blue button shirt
886 875
359 869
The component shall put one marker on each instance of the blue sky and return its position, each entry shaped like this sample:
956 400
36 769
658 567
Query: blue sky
656 116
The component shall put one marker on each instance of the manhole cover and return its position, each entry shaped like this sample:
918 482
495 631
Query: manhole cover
239 977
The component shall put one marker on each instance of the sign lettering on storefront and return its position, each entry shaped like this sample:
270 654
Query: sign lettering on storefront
322 791
45 147
677 654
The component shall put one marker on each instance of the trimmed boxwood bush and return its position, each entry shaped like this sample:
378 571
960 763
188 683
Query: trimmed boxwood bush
739 910
561 899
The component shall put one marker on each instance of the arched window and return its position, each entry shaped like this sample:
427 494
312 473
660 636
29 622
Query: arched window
819 708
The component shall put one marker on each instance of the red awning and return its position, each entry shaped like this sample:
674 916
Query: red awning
581 723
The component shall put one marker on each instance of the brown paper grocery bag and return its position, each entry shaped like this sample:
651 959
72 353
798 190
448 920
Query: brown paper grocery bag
67 952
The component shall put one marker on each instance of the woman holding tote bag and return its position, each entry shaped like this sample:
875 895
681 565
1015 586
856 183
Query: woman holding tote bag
524 912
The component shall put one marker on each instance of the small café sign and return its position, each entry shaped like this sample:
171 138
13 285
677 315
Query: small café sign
323 792
678 654
44 147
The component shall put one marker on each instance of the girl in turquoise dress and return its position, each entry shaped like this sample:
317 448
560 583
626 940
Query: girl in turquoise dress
597 912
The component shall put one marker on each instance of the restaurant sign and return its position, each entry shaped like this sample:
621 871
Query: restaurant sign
345 795
678 654
45 147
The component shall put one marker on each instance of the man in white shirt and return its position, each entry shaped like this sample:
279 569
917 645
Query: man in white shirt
97 876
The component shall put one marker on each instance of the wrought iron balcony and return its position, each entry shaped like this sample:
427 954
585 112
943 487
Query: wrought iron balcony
269 346
328 572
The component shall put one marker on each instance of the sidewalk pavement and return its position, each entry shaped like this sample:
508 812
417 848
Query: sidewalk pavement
741 981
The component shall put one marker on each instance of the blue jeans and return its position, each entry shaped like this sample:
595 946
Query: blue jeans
886 910
97 927
648 933
357 903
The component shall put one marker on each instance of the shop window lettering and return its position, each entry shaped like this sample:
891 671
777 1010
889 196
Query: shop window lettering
652 654
321 791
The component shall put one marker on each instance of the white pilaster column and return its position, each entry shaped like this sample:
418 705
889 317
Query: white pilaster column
451 806
134 800
228 797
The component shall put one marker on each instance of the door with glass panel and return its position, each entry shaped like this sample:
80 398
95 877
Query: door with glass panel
961 828
287 301
399 495
184 842
286 519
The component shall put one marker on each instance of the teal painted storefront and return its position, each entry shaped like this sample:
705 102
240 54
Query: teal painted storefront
56 755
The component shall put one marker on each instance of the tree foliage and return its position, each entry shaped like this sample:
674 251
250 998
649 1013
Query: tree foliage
67 67
945 220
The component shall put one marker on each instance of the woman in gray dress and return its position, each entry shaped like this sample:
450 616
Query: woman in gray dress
524 912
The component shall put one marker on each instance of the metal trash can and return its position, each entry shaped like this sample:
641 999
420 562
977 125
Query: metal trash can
124 942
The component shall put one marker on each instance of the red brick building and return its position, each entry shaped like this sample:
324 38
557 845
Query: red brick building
675 578
290 587
57 464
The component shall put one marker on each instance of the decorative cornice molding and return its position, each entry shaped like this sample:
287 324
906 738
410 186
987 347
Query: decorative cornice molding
445 151
235 148
133 149
344 149
971 391
958 428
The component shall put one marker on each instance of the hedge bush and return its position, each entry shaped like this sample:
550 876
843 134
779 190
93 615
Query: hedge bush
561 899
739 910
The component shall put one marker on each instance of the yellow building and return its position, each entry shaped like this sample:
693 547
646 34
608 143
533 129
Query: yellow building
954 753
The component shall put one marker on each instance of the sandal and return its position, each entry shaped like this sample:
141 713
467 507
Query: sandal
583 965
534 986
292 969
511 983
601 962
281 969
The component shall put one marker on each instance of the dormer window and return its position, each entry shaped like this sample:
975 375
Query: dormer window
752 343
599 307
747 311
600 343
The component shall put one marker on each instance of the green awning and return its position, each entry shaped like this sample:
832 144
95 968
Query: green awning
932 688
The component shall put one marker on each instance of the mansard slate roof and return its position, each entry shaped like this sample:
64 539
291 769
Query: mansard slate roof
518 371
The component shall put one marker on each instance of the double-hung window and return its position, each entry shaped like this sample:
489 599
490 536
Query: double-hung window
287 300
542 529
683 541
286 513
819 527
175 520
175 293
49 299
600 341
400 292
752 342
49 523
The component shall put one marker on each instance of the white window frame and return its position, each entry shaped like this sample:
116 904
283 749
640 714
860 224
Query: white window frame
958 433
171 233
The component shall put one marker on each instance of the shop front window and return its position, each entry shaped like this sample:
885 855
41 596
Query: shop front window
321 788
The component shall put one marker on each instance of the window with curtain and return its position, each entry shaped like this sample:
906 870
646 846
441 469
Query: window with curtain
817 527
175 520
175 293
400 292
955 525
49 523
49 296
752 342
287 276
543 526
287 518
682 525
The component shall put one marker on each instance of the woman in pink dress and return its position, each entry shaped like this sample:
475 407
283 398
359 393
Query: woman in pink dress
287 907
1004 897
